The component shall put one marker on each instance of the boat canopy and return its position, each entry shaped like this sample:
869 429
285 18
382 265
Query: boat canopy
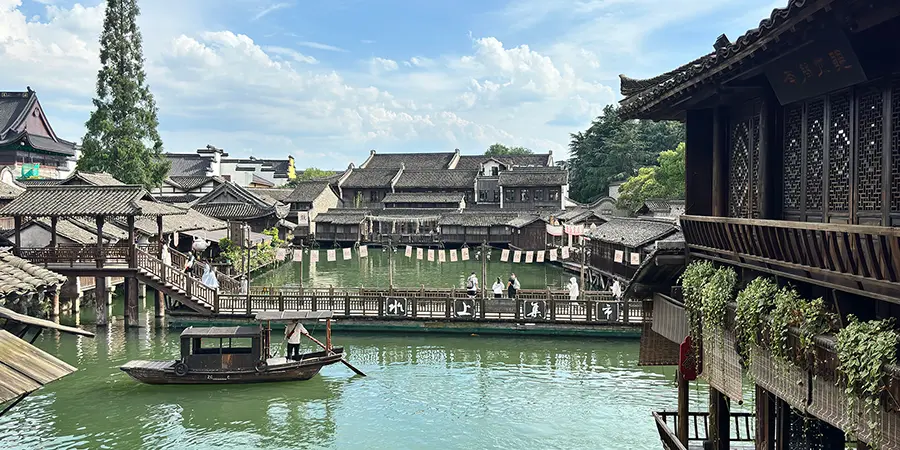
221 332
293 315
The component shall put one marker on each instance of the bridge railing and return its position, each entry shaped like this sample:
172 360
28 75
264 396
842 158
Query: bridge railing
77 254
411 304
176 277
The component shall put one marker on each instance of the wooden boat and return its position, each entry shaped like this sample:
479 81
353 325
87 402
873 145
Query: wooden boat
239 354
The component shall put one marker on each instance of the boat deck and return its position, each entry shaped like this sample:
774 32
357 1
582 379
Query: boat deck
150 365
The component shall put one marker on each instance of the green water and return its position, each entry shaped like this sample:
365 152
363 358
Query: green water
409 272
422 392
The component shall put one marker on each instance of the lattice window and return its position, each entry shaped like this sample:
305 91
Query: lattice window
839 132
739 198
793 157
754 165
870 140
895 146
815 145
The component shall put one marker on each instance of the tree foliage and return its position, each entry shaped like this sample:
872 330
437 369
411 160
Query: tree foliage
664 181
309 174
612 149
499 149
121 138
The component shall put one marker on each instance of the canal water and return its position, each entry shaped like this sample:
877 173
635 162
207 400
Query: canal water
422 392
372 271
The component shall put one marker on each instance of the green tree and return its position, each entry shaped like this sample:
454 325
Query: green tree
309 174
502 150
663 181
121 138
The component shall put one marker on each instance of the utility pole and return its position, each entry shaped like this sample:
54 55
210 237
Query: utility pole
483 267
583 257
390 250
301 266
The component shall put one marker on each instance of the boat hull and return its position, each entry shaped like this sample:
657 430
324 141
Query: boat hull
163 372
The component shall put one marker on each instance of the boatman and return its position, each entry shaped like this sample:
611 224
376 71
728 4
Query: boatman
293 332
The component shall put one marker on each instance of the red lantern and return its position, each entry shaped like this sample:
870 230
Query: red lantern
686 362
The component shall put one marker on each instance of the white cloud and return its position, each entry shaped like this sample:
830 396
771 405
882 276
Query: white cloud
270 9
381 65
320 46
288 53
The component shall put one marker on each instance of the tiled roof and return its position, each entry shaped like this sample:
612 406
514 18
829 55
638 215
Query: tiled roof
111 229
18 276
85 201
643 95
306 191
40 182
9 192
528 177
424 197
233 210
48 144
180 198
92 179
342 216
370 179
477 219
437 179
523 220
632 232
278 166
187 165
191 182
410 214
274 194
12 107
230 201
474 161
260 180
70 231
190 220
410 160
662 206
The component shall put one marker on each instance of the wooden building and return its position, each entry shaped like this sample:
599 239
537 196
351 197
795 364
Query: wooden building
28 143
620 245
792 157
342 225
528 232
362 188
528 188
428 200
473 228
307 200
229 201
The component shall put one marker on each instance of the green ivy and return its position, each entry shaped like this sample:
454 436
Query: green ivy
754 302
717 292
693 280
809 317
863 349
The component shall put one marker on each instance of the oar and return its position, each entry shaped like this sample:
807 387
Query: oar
346 363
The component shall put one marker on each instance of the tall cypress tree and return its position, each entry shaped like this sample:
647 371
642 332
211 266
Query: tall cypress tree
121 134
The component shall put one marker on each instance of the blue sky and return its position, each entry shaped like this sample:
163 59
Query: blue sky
327 81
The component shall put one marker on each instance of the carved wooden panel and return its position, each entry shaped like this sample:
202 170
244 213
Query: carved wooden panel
895 146
793 156
754 166
869 145
815 152
741 172
839 151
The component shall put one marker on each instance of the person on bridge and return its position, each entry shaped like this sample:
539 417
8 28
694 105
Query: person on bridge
293 333
513 286
573 289
472 285
497 287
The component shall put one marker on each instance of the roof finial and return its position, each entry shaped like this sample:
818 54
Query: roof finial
28 88
372 152
721 42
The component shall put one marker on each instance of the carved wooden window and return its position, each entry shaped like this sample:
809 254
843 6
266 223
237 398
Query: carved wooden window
815 152
740 189
840 143
895 145
869 145
754 165
793 156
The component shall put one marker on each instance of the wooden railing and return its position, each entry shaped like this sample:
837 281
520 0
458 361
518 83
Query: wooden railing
77 254
405 238
853 253
742 429
175 277
666 435
531 306
227 284
88 283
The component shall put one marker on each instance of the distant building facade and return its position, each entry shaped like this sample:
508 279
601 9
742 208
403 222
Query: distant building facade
28 143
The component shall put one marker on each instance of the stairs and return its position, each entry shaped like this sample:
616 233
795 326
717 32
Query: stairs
181 287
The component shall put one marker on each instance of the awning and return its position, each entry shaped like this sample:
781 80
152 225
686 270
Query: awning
24 368
216 235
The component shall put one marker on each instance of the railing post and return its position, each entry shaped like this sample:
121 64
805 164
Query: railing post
551 303
216 302
314 301
347 304
448 307
280 301
381 301
481 303
517 308
414 307
249 303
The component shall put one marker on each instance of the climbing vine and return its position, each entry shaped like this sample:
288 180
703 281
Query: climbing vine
717 292
808 318
754 302
863 349
693 280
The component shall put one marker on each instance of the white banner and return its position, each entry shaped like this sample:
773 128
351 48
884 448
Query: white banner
552 254
540 256
347 254
280 254
431 254
419 253
408 251
517 256
504 255
465 254
574 230
442 256
313 256
554 230
332 255
363 251
453 255
298 255
303 218
565 253
619 256
529 257
635 259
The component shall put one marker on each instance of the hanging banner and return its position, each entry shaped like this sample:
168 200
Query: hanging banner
453 256
529 257
175 239
465 253
408 252
565 253
442 256
574 230
552 253
419 253
298 255
540 256
303 218
504 255
619 256
347 254
517 256
331 255
280 254
635 259
431 254
313 256
363 251
554 230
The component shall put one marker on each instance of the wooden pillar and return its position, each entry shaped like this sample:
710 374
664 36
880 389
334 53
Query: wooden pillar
17 223
159 304
159 234
54 309
100 255
132 246
683 408
770 159
698 162
720 158
131 302
142 295
765 419
101 301
783 424
53 221
719 420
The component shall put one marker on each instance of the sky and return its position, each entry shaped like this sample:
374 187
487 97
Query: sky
326 81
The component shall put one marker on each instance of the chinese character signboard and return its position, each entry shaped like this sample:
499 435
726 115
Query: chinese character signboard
824 65
303 218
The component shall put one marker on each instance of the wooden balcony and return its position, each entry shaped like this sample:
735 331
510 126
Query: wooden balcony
859 259
742 430
78 256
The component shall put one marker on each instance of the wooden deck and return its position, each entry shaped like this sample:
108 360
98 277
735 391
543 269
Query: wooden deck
149 365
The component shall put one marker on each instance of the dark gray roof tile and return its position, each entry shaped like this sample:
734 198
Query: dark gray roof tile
410 160
437 179
632 232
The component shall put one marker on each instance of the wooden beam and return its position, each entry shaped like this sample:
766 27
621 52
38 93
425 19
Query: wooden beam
698 155
100 301
100 241
131 302
720 420
159 234
17 223
132 245
683 408
720 157
53 234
